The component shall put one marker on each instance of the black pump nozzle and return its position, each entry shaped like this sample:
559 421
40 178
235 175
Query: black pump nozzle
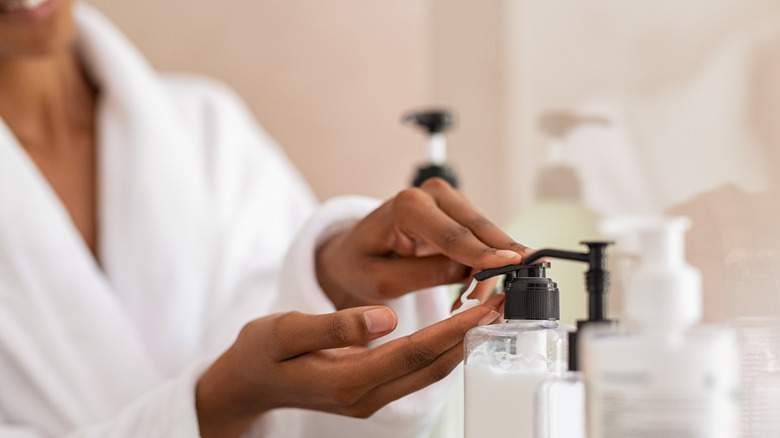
531 295
435 123
596 281
596 278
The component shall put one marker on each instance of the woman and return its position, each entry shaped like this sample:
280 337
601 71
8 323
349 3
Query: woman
146 221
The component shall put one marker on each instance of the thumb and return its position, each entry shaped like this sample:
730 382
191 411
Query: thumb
300 333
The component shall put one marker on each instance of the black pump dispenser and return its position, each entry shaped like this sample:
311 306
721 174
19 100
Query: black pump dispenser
596 281
531 295
435 123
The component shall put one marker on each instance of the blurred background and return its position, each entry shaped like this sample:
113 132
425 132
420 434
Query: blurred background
569 113
683 95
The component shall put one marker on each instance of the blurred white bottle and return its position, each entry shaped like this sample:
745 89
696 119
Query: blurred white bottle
760 340
662 375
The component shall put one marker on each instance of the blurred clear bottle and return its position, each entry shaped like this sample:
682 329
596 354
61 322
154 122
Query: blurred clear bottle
558 217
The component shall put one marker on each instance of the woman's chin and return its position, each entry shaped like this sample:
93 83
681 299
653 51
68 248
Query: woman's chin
34 27
28 11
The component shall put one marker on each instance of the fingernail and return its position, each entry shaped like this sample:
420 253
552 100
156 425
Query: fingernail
507 254
379 320
488 318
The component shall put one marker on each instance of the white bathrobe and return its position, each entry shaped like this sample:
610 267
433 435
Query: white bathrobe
202 228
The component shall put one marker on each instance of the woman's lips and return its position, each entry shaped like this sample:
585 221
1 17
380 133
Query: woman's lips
27 11
16 5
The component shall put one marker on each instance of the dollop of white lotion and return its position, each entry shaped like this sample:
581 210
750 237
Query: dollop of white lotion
466 302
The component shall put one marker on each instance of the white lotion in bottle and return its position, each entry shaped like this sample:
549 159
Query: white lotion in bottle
506 362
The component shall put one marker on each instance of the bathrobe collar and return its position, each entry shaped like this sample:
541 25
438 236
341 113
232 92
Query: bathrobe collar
81 332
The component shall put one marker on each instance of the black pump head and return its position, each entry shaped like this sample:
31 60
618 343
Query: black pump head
433 120
531 295
435 123
444 172
596 280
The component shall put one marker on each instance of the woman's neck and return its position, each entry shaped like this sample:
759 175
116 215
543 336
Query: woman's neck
46 99
49 105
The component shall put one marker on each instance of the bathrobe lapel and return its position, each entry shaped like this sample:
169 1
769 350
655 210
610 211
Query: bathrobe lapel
68 340
157 233
82 339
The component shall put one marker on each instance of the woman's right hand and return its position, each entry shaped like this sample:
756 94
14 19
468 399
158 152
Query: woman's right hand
302 361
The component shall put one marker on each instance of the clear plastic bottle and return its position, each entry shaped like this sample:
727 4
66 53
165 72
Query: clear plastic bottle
506 362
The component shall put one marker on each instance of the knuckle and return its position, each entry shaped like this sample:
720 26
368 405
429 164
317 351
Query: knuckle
250 328
436 184
454 235
438 372
517 247
416 356
338 330
452 272
272 333
278 322
410 197
385 286
478 222
363 410
345 391
383 289
345 397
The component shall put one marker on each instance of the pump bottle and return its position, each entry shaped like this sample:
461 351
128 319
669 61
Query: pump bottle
558 216
661 374
504 363
435 123
556 398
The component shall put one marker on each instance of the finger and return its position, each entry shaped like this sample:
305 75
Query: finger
394 277
383 394
299 333
496 301
418 350
457 206
411 382
417 214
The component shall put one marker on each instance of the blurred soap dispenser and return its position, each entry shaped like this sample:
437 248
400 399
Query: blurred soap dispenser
504 363
435 123
661 374
558 216
560 409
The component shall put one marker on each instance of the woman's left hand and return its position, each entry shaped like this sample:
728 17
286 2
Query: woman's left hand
423 237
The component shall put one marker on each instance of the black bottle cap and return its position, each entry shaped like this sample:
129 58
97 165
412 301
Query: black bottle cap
444 172
531 295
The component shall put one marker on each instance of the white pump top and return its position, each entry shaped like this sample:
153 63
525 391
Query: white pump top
662 290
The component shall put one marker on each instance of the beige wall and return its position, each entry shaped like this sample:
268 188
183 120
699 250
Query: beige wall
468 73
330 79
630 56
